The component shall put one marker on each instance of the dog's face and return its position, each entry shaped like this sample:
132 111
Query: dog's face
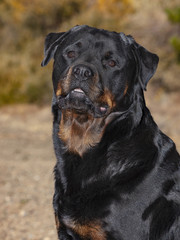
97 71
92 73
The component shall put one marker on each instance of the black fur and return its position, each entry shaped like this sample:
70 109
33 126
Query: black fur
125 183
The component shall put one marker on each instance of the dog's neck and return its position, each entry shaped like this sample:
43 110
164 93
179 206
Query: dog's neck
80 131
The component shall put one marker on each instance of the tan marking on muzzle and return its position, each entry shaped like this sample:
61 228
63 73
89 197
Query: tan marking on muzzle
67 81
64 84
59 90
108 98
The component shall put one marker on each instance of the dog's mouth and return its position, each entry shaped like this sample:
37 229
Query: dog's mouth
78 90
78 93
77 100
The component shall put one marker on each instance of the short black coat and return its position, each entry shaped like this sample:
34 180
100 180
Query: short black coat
117 175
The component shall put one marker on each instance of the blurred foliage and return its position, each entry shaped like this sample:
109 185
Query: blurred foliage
174 14
175 41
114 8
174 17
23 27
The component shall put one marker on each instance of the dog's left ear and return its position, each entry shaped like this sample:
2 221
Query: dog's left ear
50 46
148 63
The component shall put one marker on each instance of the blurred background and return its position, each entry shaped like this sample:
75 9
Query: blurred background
26 156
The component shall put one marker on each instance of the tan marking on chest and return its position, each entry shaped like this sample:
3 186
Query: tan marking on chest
91 230
57 222
80 131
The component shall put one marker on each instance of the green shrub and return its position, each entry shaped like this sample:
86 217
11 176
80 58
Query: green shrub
174 17
175 42
174 14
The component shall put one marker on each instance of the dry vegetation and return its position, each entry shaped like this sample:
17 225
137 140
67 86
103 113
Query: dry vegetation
27 158
24 25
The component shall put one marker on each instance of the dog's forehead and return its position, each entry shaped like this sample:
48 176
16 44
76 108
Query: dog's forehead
98 38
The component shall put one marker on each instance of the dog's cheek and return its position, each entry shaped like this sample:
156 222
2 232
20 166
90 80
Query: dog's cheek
108 98
94 87
58 90
125 89
64 83
117 84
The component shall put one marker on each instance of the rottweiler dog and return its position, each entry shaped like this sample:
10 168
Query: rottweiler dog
117 175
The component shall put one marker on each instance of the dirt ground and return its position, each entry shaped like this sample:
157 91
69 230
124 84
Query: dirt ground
27 160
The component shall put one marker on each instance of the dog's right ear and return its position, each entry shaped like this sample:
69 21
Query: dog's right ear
52 41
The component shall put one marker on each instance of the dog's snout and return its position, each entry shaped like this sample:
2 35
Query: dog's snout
82 72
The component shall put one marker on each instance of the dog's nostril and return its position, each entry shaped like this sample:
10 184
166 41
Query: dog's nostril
77 70
87 73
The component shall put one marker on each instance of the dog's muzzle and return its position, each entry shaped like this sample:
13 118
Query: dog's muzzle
82 85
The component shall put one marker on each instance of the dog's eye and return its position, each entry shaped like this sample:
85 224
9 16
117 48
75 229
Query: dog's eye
71 54
112 63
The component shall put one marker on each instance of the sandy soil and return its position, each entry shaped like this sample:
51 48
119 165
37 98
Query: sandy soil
27 160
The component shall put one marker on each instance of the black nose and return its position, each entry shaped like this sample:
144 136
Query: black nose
82 72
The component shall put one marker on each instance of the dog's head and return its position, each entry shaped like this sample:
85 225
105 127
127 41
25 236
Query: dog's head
97 71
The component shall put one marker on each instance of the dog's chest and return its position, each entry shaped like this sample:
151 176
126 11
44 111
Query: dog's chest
80 131
101 217
98 212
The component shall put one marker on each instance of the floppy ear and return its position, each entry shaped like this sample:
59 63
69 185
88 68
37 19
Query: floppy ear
147 61
50 46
